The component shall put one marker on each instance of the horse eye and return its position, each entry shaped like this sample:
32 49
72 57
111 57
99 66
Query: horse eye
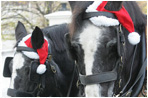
111 43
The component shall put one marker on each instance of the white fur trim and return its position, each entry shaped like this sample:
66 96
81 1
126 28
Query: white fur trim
134 38
41 69
32 55
93 7
104 21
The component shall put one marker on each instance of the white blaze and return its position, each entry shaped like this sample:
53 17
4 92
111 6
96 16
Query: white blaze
89 39
18 63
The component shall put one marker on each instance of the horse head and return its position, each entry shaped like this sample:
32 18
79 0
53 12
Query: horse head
25 79
98 49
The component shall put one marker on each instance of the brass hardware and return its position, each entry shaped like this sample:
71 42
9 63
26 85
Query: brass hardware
53 69
121 59
123 43
78 83
120 83
49 57
39 85
128 94
118 95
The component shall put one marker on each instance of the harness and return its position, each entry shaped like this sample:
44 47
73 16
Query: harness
39 80
115 74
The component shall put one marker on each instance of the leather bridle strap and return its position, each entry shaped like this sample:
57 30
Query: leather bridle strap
140 74
96 14
22 48
98 78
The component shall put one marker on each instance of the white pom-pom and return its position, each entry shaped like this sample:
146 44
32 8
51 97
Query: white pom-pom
41 69
134 38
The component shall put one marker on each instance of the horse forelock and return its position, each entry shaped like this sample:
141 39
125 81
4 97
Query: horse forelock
77 15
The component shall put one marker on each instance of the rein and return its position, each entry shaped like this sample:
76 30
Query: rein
115 74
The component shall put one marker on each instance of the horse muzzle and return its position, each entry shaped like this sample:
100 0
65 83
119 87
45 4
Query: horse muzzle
15 93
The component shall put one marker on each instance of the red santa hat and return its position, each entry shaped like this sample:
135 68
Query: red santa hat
122 16
41 54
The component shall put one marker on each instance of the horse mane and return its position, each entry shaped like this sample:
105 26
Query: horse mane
56 34
133 9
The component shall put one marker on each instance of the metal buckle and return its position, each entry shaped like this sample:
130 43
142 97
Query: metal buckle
128 94
49 57
78 83
118 95
121 59
53 69
120 83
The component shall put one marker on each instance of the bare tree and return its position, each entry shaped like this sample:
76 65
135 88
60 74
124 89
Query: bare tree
29 12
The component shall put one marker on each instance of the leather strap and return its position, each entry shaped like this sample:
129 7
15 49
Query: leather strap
98 78
140 74
21 48
120 42
95 14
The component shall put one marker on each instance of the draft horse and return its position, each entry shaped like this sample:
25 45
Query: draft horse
108 64
59 77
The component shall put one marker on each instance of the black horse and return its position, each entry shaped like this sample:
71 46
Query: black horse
108 64
59 78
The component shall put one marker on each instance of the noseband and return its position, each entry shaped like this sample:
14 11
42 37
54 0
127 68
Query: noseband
37 79
115 74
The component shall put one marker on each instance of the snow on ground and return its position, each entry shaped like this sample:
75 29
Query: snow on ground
7 50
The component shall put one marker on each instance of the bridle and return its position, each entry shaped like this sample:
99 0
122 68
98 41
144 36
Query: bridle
37 79
115 74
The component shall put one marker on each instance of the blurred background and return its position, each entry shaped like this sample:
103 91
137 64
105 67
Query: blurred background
35 13
31 14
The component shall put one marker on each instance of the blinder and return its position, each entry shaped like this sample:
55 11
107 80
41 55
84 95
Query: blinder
6 71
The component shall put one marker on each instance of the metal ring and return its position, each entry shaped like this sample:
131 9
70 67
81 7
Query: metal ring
53 69
121 59
123 43
120 83
49 57
78 83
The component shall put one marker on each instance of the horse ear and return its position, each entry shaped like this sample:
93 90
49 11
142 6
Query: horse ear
70 49
113 5
20 31
37 38
72 4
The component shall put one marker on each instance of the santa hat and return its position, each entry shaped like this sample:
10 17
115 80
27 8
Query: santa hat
41 54
122 16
